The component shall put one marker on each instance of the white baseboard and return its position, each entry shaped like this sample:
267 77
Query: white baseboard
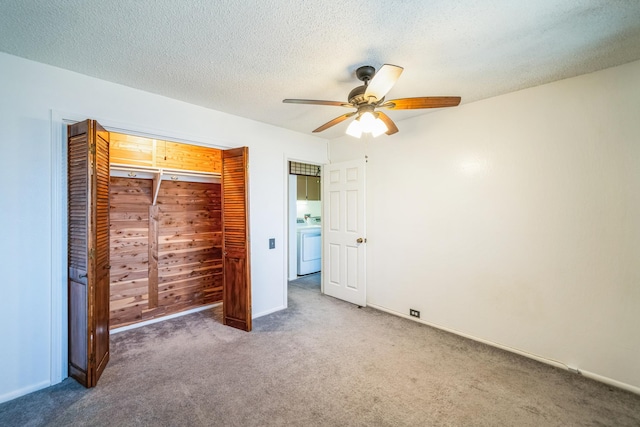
552 362
273 310
21 392
610 381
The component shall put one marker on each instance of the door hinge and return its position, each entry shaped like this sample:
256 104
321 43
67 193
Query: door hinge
92 253
92 148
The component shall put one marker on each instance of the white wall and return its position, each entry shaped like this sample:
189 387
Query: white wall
312 208
516 220
33 95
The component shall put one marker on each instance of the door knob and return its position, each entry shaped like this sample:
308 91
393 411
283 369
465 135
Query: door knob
360 240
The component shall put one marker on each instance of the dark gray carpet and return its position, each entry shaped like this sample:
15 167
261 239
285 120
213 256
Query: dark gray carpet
321 362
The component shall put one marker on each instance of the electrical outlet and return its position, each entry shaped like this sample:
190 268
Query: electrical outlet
414 313
272 243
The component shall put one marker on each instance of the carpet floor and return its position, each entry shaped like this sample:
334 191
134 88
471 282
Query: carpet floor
320 362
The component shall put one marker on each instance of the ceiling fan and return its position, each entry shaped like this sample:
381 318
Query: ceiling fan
366 98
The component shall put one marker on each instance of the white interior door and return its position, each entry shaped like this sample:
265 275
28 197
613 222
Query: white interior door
344 236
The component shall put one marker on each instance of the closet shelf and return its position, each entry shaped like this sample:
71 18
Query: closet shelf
130 171
161 174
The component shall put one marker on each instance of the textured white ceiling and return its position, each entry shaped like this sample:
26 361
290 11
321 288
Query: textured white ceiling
244 56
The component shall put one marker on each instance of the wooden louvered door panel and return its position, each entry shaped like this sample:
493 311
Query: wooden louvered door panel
235 220
88 237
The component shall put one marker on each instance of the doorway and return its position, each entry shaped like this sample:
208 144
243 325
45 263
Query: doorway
304 221
343 240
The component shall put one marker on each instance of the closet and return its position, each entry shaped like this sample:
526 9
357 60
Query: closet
154 228
165 228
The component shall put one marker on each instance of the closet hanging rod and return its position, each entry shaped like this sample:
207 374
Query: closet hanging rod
162 171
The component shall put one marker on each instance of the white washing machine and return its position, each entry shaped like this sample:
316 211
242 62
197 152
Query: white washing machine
309 249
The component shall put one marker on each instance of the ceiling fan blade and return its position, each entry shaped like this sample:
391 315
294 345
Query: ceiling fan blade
391 127
383 81
334 121
422 102
317 102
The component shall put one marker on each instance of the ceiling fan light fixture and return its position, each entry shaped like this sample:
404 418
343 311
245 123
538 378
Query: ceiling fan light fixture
379 127
367 123
355 129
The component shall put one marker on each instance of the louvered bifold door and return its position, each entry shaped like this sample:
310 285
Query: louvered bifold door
88 237
235 221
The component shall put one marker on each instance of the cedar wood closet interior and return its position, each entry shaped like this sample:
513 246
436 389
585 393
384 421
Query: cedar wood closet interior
165 235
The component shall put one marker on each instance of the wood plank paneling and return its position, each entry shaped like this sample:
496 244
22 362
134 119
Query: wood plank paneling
189 245
154 215
139 151
168 257
130 200
132 150
173 155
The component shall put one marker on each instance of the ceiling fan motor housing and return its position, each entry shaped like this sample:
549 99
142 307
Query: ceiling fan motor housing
356 96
